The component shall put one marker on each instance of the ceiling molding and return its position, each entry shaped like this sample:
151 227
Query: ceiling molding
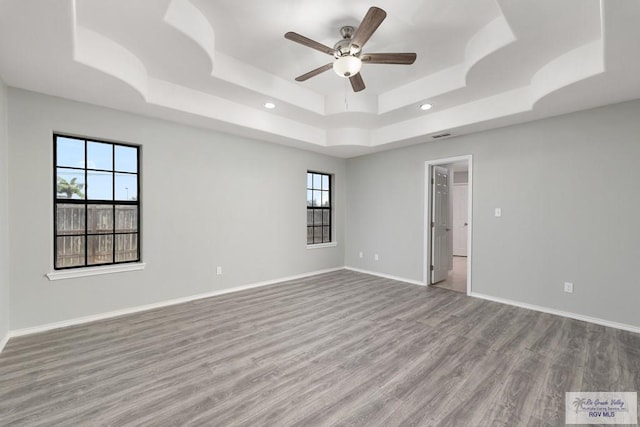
489 63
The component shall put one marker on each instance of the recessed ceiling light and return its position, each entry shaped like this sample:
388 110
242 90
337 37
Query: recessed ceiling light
269 105
425 106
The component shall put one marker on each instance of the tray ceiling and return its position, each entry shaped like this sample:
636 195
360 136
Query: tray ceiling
481 63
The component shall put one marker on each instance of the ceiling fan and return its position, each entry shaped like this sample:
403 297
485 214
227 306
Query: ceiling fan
348 51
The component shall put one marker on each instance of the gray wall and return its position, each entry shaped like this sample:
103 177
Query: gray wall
4 212
568 189
570 207
208 199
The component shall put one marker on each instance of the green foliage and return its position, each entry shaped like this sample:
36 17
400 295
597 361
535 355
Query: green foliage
70 188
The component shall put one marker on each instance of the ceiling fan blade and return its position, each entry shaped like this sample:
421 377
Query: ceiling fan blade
305 41
357 83
315 72
389 58
369 24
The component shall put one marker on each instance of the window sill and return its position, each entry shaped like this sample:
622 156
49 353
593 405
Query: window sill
322 245
94 271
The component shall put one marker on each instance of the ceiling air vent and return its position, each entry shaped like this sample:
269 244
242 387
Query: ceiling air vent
442 135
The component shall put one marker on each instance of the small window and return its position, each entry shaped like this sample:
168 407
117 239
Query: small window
96 195
318 208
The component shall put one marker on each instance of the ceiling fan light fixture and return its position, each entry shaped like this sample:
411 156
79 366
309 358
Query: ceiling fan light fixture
347 66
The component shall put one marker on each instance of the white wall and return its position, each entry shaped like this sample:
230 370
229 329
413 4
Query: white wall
4 220
569 192
208 199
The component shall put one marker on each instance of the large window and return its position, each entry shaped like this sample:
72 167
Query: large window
97 202
318 208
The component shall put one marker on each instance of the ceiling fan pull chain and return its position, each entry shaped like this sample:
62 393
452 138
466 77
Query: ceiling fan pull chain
346 93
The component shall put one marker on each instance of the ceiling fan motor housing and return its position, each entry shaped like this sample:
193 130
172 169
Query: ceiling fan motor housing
347 55
344 46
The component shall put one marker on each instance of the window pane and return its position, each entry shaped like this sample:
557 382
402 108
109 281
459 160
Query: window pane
126 247
126 218
95 174
100 249
318 220
126 159
69 219
99 155
99 185
126 186
69 251
100 219
70 184
309 217
69 152
325 198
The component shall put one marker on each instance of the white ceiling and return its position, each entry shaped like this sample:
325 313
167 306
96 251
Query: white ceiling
481 63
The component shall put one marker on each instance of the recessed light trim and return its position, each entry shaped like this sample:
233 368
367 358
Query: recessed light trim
269 105
426 106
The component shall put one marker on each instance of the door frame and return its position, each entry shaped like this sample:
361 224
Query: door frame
426 214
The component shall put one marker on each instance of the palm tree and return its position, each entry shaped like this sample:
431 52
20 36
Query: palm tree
578 402
70 188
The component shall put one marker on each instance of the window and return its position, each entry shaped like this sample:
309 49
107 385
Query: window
318 208
96 202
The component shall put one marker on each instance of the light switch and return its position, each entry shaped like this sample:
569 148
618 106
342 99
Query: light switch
498 211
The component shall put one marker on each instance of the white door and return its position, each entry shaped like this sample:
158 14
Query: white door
440 227
460 219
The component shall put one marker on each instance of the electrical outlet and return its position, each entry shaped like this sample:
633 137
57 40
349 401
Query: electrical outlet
498 212
568 287
218 270
360 254
376 257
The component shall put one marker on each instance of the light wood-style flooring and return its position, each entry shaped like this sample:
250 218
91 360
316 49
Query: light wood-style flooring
341 348
456 278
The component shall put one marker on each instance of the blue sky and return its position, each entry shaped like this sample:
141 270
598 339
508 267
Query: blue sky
317 182
70 153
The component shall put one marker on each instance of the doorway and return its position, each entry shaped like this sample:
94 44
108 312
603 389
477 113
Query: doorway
448 215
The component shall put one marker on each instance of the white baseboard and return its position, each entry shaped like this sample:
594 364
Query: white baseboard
4 341
137 309
131 310
386 276
570 315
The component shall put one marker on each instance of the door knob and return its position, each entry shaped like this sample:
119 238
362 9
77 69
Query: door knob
448 229
465 224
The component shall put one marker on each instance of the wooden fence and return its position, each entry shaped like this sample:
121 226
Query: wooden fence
71 243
